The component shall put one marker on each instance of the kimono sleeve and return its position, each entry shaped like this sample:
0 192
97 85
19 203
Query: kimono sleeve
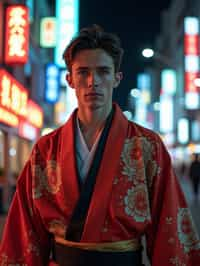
25 240
171 237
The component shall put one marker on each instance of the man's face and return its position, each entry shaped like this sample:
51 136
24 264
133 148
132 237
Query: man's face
93 78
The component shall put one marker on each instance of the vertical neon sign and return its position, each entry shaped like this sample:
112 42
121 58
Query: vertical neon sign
191 51
67 15
16 34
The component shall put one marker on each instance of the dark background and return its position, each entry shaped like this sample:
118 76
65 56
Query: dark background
136 23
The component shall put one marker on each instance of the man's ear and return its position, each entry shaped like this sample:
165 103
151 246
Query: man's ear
118 78
69 80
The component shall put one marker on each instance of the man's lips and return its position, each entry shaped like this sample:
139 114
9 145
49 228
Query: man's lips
93 94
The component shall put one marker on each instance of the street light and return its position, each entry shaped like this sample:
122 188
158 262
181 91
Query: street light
148 53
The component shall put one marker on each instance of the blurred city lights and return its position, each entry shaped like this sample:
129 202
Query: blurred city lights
128 115
197 82
135 93
147 52
156 106
12 152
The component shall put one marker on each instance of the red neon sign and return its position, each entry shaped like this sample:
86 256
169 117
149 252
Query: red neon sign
35 114
16 34
189 82
191 44
13 99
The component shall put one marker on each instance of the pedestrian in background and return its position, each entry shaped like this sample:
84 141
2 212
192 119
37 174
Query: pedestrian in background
93 188
194 173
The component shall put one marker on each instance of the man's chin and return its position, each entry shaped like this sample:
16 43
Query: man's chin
95 106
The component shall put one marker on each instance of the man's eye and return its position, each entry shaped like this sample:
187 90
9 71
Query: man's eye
104 71
82 72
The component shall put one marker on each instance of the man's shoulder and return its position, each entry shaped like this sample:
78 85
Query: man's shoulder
141 131
52 136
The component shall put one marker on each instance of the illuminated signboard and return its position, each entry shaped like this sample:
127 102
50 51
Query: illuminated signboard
52 81
67 14
30 5
16 109
183 130
30 127
166 113
48 32
142 102
16 34
168 81
191 50
28 131
13 99
8 118
35 114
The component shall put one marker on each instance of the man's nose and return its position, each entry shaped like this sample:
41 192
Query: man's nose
93 79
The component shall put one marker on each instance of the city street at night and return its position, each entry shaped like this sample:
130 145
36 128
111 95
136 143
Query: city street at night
100 132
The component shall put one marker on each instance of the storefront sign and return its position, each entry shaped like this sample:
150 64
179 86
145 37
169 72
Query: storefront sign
13 99
52 83
16 110
16 34
35 114
48 32
191 58
28 131
67 15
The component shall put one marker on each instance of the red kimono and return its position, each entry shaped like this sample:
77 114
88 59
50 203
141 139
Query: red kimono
136 194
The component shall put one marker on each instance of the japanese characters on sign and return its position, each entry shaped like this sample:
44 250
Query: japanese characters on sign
15 106
16 34
13 99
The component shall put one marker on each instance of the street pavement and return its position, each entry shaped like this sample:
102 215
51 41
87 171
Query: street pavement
193 205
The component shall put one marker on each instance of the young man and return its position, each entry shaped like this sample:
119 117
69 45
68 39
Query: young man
95 186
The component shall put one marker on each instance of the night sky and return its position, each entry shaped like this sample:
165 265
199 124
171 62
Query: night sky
136 23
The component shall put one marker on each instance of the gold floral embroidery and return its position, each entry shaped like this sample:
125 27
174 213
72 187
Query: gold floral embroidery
116 181
33 249
129 167
48 180
151 170
137 158
169 220
136 203
176 261
171 240
57 227
105 227
186 230
5 261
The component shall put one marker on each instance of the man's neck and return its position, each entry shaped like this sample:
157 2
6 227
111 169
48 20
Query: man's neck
91 120
91 123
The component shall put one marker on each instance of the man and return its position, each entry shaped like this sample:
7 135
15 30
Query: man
95 186
194 173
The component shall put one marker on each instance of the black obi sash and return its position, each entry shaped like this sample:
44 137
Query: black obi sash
70 256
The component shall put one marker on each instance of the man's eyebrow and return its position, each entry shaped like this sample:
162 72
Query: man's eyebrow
81 67
98 67
104 67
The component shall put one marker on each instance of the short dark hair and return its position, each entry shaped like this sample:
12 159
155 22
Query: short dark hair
94 37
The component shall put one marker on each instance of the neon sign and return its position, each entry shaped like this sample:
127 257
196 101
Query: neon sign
35 114
13 96
16 34
48 32
191 54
